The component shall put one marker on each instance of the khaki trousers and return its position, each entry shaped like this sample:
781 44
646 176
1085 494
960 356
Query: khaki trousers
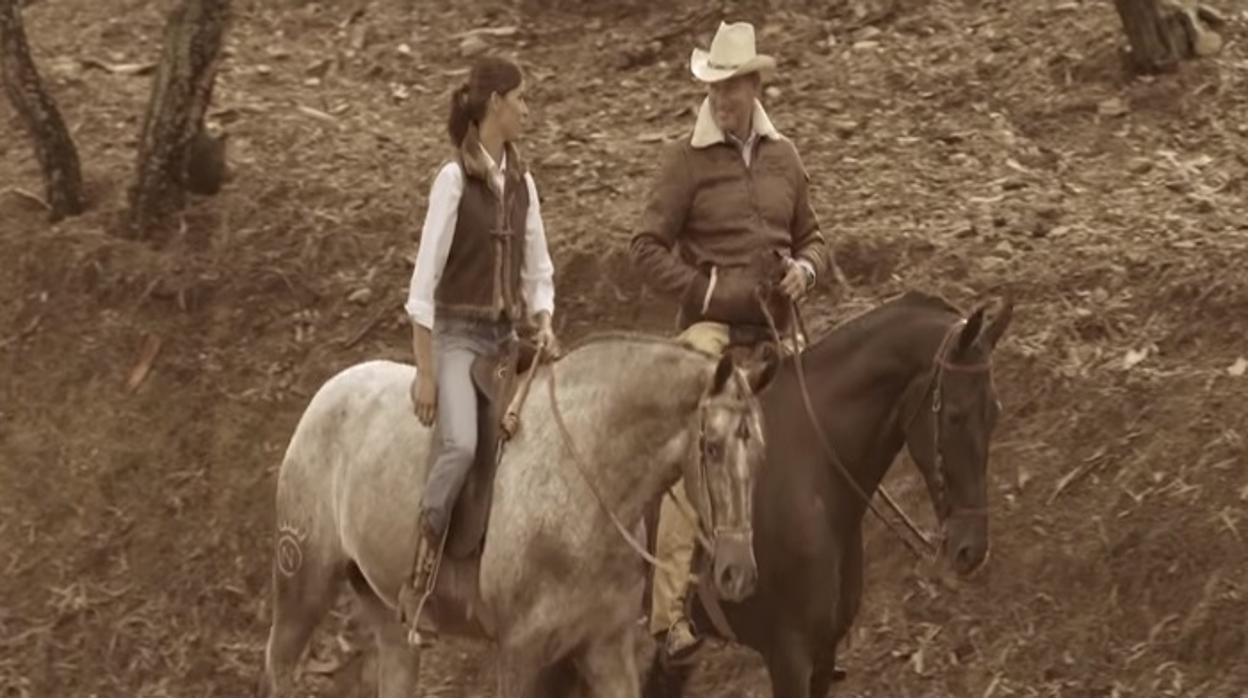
677 533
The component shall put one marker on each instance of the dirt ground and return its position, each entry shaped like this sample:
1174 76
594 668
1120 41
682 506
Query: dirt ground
962 147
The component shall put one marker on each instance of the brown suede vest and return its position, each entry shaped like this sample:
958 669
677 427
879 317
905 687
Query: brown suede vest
481 279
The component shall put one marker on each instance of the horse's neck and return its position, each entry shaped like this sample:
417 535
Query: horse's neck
638 481
632 432
633 463
891 358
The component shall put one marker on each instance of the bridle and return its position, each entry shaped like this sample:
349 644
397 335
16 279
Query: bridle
717 528
941 363
710 601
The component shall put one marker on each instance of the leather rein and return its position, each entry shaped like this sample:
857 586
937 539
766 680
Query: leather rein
718 619
940 364
569 443
511 424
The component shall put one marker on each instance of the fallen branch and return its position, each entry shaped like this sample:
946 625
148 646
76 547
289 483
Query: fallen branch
27 195
488 31
151 347
361 333
118 68
1089 464
318 115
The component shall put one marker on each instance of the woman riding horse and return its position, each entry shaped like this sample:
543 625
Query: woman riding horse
482 251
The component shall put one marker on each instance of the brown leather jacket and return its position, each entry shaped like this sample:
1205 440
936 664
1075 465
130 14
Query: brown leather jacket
713 211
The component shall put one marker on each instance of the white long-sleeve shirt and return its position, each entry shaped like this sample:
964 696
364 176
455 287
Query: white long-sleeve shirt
536 274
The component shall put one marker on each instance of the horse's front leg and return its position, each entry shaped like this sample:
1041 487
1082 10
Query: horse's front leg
518 672
398 663
790 666
825 674
609 666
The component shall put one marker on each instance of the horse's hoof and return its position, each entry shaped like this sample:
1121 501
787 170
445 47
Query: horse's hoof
666 680
420 640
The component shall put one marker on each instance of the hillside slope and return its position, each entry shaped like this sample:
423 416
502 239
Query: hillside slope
963 148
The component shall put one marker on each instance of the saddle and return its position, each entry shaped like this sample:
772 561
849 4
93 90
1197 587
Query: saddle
496 380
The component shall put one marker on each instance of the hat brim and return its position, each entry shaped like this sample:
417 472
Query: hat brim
699 65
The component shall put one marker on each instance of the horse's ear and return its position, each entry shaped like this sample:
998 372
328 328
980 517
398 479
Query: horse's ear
723 371
970 331
763 372
996 328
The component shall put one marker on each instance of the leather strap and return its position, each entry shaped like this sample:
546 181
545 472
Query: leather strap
570 445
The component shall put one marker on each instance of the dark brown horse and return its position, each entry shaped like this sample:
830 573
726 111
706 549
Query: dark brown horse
914 372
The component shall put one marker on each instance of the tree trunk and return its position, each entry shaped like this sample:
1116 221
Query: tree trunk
1164 32
181 93
54 148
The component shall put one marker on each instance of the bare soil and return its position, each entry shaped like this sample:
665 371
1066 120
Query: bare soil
965 148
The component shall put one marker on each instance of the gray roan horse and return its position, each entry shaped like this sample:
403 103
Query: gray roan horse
914 372
555 585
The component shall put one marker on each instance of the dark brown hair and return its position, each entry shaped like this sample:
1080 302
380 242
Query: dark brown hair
468 102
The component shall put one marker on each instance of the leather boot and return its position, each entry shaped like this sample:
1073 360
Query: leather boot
419 587
681 640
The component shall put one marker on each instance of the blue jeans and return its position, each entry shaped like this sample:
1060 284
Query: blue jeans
456 345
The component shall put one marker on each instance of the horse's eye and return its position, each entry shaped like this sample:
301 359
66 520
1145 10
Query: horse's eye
713 450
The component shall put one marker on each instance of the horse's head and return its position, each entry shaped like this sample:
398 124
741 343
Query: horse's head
952 412
720 478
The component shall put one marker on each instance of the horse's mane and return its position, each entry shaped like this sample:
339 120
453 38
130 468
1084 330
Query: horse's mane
906 301
924 300
624 336
909 300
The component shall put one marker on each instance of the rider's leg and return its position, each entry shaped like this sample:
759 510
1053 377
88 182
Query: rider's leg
674 546
677 532
457 427
710 337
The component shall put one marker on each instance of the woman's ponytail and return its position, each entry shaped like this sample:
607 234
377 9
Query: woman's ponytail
461 118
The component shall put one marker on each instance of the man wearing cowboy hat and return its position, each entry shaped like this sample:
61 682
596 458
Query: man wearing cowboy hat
732 202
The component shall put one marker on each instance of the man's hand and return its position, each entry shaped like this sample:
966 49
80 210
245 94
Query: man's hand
796 281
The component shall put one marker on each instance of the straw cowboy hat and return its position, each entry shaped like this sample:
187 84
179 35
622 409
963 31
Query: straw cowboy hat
732 53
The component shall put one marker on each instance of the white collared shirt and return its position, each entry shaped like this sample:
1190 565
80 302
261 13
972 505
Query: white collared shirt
746 147
537 274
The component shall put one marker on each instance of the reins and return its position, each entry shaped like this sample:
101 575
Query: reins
718 619
570 444
799 325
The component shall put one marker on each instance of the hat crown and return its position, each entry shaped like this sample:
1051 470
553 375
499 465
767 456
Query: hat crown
733 44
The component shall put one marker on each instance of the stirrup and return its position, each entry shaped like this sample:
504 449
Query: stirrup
680 642
430 581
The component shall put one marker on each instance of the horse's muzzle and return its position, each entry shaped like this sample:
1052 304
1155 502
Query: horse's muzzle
966 543
736 573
